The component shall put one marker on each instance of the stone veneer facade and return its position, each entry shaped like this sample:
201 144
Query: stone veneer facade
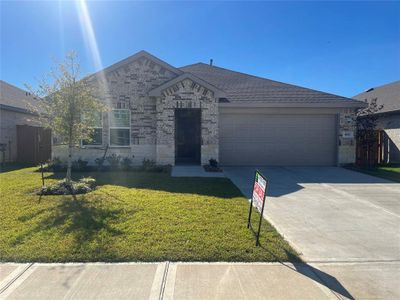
186 94
152 135
152 118
346 137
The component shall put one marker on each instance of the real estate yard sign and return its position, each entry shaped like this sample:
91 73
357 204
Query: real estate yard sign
258 201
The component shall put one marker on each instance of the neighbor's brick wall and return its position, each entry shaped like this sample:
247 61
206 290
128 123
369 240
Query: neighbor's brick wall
347 145
186 94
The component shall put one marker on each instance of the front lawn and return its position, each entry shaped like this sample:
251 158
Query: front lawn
131 216
389 172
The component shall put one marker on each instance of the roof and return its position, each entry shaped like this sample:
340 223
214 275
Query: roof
158 90
133 57
387 95
14 98
246 89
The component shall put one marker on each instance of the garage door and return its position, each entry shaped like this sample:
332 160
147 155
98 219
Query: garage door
280 140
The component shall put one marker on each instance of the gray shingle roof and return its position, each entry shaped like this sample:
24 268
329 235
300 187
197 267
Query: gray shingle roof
13 97
244 88
388 95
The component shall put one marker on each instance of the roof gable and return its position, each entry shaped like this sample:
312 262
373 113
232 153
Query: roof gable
137 56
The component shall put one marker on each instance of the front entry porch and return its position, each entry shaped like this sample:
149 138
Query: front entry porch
188 136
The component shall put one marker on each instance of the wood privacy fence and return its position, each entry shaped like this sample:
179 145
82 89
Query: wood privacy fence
372 148
33 144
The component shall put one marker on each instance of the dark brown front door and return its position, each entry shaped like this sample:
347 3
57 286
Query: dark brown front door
187 136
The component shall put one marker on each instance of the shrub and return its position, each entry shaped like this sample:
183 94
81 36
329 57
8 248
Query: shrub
61 187
213 166
80 165
213 163
162 168
126 163
114 161
89 181
99 162
55 165
148 164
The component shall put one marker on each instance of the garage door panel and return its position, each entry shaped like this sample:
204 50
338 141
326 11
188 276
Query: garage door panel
260 139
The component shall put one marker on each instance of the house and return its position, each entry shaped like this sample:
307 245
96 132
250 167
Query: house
197 112
388 96
21 137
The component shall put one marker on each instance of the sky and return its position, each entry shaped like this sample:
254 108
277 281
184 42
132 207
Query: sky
338 47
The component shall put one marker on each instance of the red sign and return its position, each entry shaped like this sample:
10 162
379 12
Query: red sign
258 201
260 185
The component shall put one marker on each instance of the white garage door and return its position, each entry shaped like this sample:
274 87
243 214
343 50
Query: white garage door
277 140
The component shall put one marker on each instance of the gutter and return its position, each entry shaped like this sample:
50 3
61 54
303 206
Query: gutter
353 104
16 109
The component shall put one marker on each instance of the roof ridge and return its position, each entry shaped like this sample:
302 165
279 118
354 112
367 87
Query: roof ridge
263 78
379 87
198 63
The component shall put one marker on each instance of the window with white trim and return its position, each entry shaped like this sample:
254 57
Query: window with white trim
96 138
120 127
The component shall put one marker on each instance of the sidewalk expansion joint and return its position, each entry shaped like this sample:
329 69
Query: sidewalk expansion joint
164 280
3 289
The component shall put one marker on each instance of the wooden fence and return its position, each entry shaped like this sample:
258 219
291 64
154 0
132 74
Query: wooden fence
372 148
33 144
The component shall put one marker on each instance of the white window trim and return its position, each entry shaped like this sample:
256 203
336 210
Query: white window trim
112 127
96 127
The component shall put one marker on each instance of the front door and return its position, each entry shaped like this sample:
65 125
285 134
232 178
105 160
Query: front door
187 136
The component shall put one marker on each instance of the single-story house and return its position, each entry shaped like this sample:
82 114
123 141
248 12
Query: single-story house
21 137
388 96
198 112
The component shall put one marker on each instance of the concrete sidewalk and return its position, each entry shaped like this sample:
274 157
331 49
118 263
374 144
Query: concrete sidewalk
199 281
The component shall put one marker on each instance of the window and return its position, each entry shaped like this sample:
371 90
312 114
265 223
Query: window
97 133
120 131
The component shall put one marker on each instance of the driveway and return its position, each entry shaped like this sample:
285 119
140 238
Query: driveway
330 214
345 224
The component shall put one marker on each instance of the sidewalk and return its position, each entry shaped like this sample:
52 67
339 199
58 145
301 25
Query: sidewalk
199 281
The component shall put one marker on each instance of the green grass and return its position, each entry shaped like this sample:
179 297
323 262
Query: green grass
132 216
390 172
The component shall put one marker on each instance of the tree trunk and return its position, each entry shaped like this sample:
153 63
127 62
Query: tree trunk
69 165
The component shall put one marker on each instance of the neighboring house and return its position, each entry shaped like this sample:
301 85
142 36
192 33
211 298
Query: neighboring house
387 95
20 132
198 112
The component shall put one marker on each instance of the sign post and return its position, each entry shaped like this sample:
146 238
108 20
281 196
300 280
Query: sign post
258 201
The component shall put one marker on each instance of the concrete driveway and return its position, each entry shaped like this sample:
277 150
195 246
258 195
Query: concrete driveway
346 224
330 214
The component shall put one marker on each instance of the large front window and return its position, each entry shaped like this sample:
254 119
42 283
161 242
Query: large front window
120 131
96 137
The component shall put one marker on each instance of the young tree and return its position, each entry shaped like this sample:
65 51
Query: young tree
67 105
367 120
